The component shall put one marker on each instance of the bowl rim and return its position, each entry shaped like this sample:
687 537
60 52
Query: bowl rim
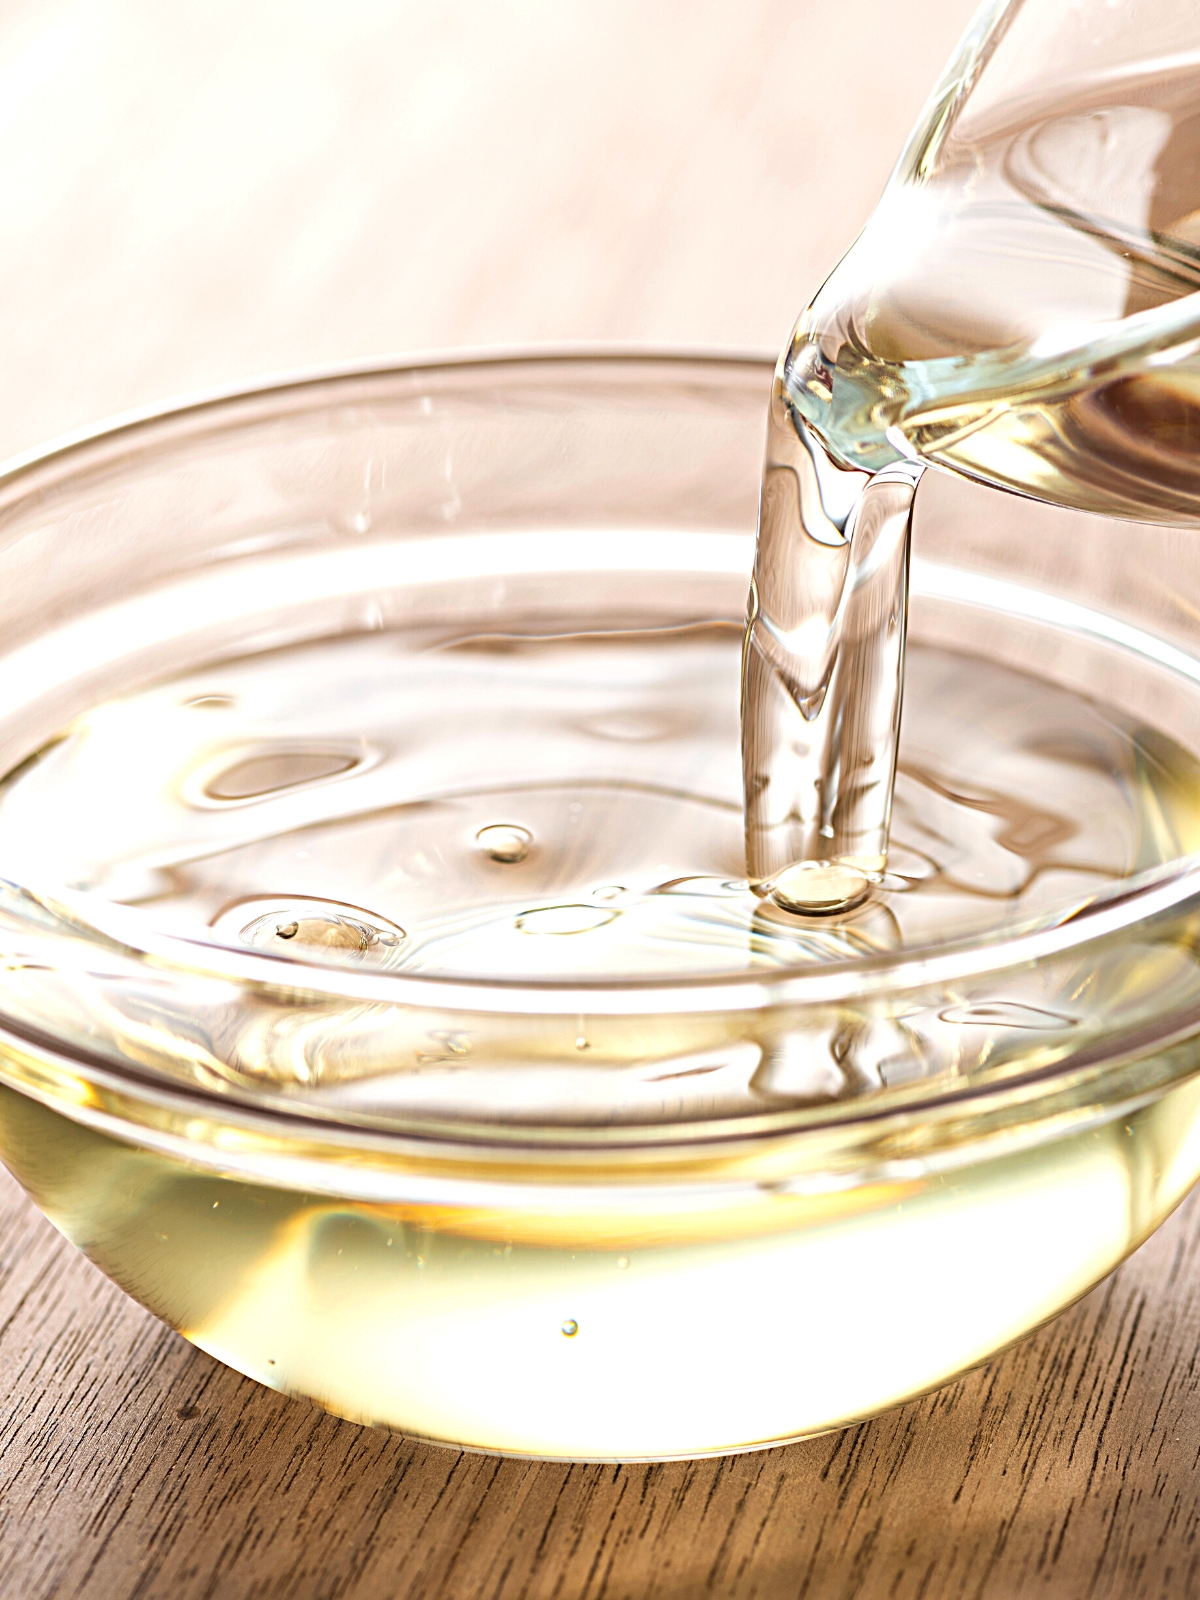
1168 890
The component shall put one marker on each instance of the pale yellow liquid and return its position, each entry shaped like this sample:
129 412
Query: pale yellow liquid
569 806
564 806
678 1326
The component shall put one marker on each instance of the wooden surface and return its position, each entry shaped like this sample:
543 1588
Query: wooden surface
132 1465
197 195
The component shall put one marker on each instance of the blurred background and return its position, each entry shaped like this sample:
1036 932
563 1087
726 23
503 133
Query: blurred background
193 196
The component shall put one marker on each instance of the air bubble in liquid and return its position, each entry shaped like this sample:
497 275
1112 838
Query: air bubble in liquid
570 1328
504 841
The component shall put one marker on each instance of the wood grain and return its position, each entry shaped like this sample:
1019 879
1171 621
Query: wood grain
132 1465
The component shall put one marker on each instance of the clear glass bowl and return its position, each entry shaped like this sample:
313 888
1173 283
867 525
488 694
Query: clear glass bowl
568 1216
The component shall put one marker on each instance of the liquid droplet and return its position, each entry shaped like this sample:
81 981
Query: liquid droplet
819 888
504 841
570 1328
565 919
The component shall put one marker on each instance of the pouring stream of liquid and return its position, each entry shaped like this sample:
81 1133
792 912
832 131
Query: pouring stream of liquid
823 668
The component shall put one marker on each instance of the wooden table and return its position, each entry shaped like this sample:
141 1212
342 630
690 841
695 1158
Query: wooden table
195 195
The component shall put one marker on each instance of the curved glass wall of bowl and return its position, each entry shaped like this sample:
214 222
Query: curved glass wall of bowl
504 749
1022 309
385 1003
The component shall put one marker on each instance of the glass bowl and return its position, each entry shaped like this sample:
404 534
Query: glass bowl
648 1214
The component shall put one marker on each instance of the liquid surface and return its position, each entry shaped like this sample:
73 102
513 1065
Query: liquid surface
556 808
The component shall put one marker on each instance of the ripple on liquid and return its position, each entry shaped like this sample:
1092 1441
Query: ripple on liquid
565 919
306 928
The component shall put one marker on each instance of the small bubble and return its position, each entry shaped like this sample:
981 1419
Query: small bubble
504 841
570 1328
609 891
450 1042
819 888
582 1044
622 1262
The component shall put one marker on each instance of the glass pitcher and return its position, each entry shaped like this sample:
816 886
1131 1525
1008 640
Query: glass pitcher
1021 309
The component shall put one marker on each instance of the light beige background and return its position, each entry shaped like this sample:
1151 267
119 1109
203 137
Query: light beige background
192 195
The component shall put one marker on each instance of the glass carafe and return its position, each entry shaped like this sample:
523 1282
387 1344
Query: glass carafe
1022 309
